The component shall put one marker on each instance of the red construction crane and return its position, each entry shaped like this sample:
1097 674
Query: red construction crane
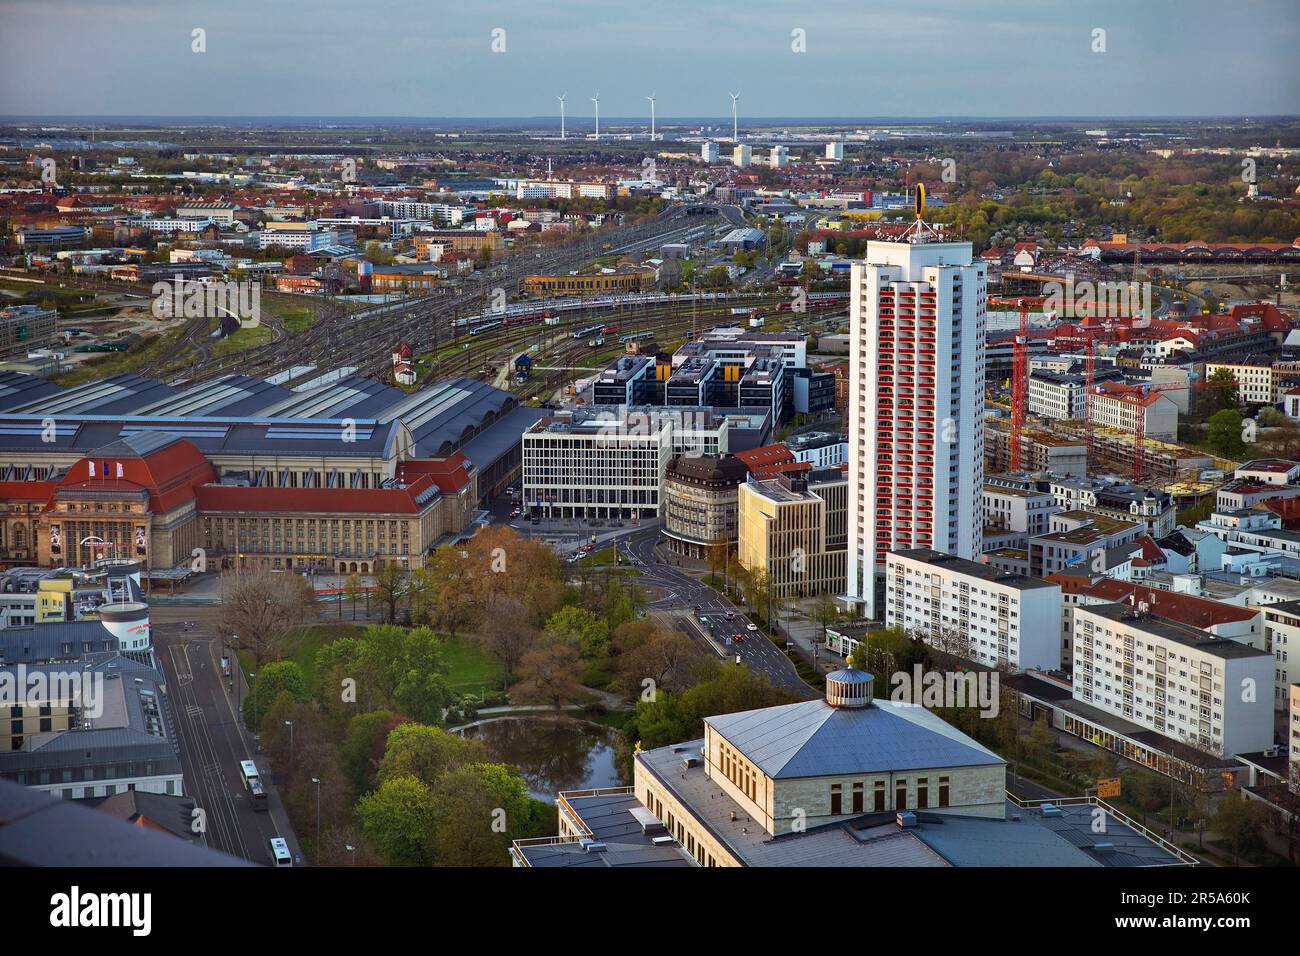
1019 383
1089 383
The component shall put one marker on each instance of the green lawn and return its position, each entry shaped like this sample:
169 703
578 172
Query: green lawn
471 669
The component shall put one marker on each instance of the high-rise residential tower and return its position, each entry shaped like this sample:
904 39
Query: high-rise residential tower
916 403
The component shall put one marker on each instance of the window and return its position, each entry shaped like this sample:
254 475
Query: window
923 793
900 795
837 799
858 798
880 796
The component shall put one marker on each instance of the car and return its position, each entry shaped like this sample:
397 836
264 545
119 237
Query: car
751 626
536 520
731 615
739 638
697 607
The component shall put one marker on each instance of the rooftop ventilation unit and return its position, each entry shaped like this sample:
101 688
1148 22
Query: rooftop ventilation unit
1050 810
592 846
906 820
663 841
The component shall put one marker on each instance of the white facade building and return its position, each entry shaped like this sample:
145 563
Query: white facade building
610 461
778 156
998 619
835 151
916 405
709 152
1209 692
742 156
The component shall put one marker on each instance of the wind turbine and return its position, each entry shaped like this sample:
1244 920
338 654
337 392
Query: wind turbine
735 127
561 99
651 98
596 99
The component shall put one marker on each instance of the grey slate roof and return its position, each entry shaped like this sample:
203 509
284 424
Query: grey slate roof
814 739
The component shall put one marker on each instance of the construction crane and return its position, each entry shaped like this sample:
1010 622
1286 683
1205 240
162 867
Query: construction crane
1019 383
1089 383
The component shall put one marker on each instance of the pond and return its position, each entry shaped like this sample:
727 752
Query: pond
553 753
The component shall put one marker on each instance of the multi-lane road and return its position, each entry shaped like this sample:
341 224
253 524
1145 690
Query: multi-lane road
708 611
212 745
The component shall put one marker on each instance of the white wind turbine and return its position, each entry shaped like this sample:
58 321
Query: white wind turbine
735 127
596 99
561 99
651 98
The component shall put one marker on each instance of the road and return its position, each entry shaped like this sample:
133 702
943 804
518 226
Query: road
732 637
212 745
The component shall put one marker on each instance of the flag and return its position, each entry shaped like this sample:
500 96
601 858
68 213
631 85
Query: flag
92 469
119 469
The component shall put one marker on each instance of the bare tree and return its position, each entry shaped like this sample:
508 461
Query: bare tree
260 607
505 633
550 673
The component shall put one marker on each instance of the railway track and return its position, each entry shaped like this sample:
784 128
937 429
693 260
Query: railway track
364 339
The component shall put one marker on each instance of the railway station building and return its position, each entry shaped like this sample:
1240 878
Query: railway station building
349 476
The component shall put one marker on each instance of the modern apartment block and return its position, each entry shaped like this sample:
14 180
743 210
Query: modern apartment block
1191 686
794 530
916 404
999 620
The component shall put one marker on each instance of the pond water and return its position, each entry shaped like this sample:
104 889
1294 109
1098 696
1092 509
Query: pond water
553 753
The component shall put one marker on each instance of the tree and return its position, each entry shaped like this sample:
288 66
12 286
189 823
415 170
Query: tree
550 673
364 746
426 753
1238 820
452 581
390 586
580 627
1223 434
272 680
645 651
398 820
353 589
622 603
1222 389
476 808
259 607
825 612
504 632
402 669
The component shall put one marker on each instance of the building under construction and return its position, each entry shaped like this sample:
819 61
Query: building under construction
1113 450
1040 450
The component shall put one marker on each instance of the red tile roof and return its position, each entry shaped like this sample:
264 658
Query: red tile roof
337 501
1183 608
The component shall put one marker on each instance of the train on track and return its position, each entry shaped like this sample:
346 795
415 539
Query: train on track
540 309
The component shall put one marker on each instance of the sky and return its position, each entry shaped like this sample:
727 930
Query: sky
859 58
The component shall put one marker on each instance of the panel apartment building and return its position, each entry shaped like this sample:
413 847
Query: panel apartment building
1213 693
999 620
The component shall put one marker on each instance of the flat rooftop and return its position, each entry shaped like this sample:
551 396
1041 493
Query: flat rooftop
1026 838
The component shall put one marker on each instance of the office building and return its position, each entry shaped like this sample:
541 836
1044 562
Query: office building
700 503
792 529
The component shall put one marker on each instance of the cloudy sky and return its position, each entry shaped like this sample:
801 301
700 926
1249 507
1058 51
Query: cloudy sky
435 58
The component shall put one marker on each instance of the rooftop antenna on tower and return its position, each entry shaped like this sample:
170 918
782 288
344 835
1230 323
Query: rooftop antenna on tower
561 99
651 98
596 99
735 126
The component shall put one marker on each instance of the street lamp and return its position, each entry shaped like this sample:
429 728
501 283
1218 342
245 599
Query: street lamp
289 724
316 780
352 851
